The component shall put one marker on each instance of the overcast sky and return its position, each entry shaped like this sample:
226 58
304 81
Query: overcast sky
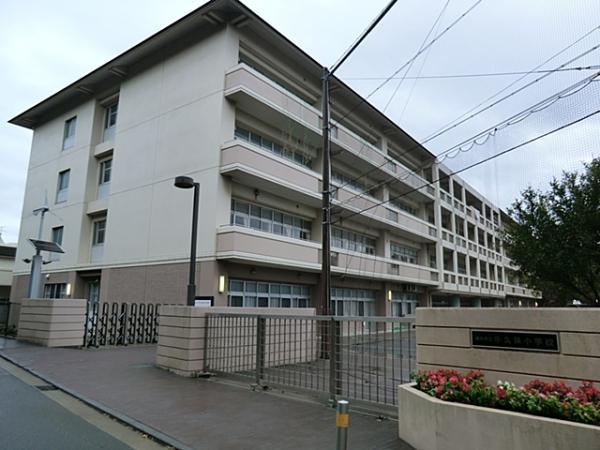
47 45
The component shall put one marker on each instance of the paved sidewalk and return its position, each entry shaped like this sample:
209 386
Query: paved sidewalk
200 413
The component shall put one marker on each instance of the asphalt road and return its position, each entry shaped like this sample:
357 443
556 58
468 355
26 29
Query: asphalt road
30 420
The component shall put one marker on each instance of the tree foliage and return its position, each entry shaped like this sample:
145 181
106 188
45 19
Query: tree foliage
555 236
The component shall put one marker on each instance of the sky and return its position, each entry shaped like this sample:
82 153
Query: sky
47 45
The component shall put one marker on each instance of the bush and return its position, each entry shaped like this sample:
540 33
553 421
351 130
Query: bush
555 400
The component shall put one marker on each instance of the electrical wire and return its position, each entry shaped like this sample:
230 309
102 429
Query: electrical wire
438 132
482 137
497 155
433 27
418 145
478 75
433 41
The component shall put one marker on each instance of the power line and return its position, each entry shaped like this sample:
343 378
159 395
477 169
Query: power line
560 52
507 96
479 75
581 55
504 152
491 131
433 41
420 48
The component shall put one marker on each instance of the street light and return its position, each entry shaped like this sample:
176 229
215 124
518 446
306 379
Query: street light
183 182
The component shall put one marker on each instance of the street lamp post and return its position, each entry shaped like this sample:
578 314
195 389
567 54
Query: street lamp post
183 182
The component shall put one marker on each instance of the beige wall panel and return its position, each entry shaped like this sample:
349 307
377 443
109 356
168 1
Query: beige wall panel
452 337
583 344
546 364
549 319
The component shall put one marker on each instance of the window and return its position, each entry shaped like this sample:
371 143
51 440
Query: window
352 302
55 290
57 238
104 178
62 189
403 206
260 294
403 303
346 181
57 235
99 232
105 171
355 242
269 220
403 253
293 155
110 121
69 133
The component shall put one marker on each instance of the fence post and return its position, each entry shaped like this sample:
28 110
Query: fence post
260 347
86 324
334 359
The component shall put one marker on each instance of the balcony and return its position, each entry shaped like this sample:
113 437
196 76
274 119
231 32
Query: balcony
240 244
259 96
246 245
369 266
394 218
255 167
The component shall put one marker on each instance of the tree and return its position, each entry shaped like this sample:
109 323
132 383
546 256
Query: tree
554 237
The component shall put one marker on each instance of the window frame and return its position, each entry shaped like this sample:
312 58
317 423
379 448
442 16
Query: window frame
62 194
95 231
69 130
103 170
111 114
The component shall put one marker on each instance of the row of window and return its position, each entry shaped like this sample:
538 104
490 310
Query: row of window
293 155
110 122
404 253
265 219
267 295
55 290
269 220
352 241
403 206
64 180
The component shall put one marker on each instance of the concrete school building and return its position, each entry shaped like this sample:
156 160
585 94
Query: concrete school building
222 97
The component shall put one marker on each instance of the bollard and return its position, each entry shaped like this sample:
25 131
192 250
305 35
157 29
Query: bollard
341 422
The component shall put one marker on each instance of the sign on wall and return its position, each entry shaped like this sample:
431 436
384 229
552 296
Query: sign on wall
515 340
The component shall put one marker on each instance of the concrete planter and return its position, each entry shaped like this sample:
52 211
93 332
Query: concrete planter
428 423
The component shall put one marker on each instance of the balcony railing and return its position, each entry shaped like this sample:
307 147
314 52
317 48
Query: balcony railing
243 82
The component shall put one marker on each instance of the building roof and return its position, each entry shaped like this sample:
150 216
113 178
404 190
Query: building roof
8 250
191 28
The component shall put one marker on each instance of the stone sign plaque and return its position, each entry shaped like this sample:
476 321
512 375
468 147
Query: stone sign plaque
515 340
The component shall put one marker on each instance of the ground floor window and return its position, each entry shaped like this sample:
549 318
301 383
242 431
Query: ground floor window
353 302
404 303
55 290
267 295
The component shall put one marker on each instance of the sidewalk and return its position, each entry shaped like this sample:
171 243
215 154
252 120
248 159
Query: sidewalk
199 413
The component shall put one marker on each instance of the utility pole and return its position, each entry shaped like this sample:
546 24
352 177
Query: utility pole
35 277
324 305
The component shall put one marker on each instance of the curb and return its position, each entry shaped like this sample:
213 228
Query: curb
155 434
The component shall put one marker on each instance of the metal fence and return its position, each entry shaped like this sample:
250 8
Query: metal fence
362 358
120 324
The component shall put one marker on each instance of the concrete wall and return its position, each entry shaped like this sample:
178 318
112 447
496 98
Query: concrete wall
52 323
181 339
428 423
444 340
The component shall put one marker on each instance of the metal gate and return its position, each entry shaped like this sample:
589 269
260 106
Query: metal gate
360 358
121 324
